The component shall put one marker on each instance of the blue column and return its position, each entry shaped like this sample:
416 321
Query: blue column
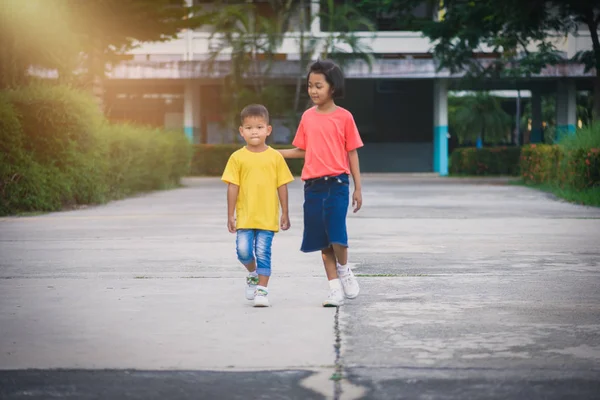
566 108
191 111
440 127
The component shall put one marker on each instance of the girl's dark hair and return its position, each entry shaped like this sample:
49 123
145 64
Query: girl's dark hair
333 75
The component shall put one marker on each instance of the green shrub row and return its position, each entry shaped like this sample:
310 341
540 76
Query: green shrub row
577 168
573 164
485 161
57 150
210 160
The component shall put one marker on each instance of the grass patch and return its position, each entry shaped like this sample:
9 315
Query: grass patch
587 197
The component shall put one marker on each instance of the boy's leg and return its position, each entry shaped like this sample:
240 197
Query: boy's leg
262 246
336 294
245 252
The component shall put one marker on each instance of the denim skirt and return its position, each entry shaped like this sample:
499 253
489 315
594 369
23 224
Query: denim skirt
326 203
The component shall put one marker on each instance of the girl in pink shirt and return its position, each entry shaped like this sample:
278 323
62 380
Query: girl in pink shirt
328 139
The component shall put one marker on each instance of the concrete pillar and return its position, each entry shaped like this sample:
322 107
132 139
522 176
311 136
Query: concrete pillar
566 111
315 10
191 111
188 36
537 134
440 127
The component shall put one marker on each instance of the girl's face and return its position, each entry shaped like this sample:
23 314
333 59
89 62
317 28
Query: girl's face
318 89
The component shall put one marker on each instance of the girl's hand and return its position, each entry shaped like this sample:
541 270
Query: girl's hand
231 224
285 222
357 200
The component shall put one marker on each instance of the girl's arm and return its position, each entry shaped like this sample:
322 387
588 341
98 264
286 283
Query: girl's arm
292 153
355 171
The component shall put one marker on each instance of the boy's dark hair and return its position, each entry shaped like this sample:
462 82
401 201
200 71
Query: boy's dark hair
333 75
254 110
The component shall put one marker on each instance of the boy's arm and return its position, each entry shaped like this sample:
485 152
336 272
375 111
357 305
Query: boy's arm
232 195
355 171
292 153
282 191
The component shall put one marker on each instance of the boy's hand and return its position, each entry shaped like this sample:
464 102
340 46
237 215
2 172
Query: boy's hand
357 200
285 222
231 224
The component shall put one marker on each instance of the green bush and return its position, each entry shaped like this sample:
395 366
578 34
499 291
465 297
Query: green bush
485 161
580 163
25 185
140 158
574 163
580 168
210 160
58 150
540 163
57 122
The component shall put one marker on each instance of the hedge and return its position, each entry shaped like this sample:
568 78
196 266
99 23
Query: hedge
58 150
540 163
577 168
572 166
485 161
210 160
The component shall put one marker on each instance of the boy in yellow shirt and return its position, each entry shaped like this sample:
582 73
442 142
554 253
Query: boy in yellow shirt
257 178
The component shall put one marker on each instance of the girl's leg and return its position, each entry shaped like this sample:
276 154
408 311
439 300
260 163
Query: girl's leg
330 263
336 293
347 278
337 208
341 253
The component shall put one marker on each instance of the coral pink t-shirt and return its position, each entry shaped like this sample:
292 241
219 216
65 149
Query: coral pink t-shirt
327 139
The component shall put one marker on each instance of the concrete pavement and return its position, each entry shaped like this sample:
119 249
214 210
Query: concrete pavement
470 289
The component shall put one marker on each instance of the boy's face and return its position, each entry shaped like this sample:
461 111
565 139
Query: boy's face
255 130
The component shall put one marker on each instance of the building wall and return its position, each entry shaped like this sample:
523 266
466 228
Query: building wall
394 118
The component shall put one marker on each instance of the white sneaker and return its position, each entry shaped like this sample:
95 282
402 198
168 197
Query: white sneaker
349 283
251 283
261 299
335 298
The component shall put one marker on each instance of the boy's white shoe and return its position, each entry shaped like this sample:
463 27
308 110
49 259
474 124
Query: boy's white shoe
261 299
251 283
349 282
335 298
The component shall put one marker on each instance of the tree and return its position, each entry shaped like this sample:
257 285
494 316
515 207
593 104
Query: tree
251 39
69 34
478 118
340 43
515 34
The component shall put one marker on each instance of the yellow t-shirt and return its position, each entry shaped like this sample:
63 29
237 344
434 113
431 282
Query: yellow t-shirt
258 175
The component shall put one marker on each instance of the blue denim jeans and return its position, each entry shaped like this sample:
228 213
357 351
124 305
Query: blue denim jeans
326 202
255 243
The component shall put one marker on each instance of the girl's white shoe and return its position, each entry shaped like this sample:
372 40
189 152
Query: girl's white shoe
335 298
349 283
